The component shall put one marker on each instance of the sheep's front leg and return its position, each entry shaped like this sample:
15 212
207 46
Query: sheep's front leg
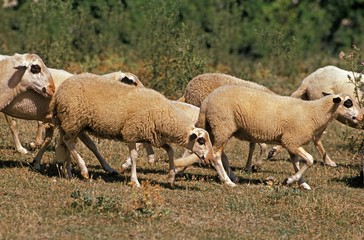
362 164
133 153
150 152
92 146
296 165
15 134
64 159
217 164
70 142
172 171
47 140
298 175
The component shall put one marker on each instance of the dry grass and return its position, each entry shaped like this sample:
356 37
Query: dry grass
43 206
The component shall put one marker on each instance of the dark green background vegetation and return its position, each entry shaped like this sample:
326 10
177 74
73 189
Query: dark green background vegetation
168 42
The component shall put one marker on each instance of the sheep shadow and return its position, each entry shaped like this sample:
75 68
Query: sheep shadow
13 163
351 181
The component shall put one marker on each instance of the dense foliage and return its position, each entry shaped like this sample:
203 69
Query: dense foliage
168 42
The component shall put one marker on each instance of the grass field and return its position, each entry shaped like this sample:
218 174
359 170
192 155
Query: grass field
41 205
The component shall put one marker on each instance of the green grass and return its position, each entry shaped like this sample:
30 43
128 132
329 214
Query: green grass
41 205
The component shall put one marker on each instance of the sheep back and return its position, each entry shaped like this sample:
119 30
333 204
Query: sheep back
202 85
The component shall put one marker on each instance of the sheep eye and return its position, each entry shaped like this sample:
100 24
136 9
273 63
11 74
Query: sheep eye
201 140
348 103
35 69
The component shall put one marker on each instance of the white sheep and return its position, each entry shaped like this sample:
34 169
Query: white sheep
32 106
333 80
22 72
107 109
190 110
256 116
202 85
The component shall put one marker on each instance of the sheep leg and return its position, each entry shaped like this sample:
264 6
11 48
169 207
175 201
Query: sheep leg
38 137
92 146
296 165
185 161
47 140
150 152
298 175
172 171
70 142
320 148
217 164
248 166
63 157
226 165
15 134
259 160
362 170
133 153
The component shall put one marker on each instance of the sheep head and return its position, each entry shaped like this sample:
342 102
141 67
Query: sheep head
32 73
200 144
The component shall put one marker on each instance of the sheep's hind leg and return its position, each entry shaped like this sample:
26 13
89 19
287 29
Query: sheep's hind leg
92 146
15 134
38 137
134 156
320 148
249 163
298 176
70 142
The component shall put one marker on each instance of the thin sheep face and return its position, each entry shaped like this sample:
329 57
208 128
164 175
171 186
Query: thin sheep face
200 144
36 75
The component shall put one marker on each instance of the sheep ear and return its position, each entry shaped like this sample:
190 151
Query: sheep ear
193 136
126 80
21 67
336 99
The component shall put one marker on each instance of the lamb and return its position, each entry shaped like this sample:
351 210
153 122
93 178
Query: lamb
22 72
31 106
333 80
242 112
202 85
79 105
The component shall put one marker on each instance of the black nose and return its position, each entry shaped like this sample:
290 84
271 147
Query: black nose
203 157
353 118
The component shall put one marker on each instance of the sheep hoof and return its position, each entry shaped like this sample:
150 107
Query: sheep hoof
85 175
152 160
134 184
171 177
305 186
22 150
330 163
272 153
230 184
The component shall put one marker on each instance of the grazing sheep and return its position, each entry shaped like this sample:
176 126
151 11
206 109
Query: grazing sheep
202 85
333 80
190 110
107 109
22 72
256 116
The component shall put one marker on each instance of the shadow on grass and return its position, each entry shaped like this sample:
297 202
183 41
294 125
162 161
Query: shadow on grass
352 181
13 164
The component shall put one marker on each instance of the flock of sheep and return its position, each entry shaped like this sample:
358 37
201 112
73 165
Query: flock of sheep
214 108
